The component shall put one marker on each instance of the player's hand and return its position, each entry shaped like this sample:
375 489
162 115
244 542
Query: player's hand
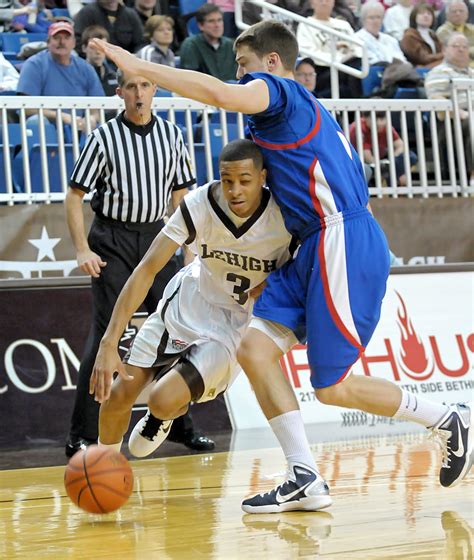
107 362
120 57
257 290
90 263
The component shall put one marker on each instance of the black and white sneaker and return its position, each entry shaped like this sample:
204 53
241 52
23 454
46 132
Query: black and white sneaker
148 434
304 490
454 435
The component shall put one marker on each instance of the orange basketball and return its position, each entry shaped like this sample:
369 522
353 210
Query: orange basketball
98 479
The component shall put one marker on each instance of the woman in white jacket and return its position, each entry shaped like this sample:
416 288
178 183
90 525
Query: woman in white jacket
317 45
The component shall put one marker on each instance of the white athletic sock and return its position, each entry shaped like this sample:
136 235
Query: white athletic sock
115 446
419 410
290 432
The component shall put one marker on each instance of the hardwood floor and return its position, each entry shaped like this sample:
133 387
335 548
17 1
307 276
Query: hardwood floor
387 504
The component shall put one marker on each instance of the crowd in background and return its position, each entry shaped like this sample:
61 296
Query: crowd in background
412 44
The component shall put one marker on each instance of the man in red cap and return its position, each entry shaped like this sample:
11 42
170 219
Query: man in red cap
58 72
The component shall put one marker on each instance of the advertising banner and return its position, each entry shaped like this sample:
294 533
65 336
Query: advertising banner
424 343
44 333
427 230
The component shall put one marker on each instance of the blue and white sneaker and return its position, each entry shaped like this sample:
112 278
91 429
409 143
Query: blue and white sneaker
454 435
304 490
148 434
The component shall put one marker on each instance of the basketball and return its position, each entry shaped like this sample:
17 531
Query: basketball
98 479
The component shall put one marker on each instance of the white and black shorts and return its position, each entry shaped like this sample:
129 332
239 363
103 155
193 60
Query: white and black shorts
191 335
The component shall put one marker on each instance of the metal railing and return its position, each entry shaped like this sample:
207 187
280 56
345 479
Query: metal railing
333 37
440 169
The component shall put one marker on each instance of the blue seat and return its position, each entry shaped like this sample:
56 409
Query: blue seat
163 93
373 80
188 7
215 133
12 42
61 13
200 171
52 154
406 93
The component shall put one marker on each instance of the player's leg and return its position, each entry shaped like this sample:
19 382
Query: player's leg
341 328
169 399
259 355
114 416
202 373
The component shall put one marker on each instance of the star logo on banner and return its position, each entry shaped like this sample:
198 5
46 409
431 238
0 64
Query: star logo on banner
45 245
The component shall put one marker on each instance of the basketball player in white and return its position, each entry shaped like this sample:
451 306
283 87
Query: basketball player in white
236 230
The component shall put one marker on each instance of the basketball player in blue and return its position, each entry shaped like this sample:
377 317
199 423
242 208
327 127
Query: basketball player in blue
332 291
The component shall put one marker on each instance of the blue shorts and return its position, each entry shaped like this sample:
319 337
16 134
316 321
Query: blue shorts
333 292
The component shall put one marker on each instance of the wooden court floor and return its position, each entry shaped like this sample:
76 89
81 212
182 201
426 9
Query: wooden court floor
387 504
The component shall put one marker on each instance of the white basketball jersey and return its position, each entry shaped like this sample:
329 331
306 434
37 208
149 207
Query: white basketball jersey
233 258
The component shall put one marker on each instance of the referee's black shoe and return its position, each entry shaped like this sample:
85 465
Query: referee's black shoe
192 439
75 444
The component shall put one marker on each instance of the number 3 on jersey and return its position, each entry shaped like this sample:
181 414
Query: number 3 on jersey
241 285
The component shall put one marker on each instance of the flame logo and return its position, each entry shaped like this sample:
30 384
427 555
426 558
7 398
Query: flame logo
413 354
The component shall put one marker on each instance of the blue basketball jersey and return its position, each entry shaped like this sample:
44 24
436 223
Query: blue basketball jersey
312 169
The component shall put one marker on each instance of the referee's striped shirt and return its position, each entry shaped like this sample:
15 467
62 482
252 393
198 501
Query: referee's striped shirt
132 170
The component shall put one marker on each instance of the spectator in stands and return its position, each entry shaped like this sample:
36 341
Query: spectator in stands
8 75
381 48
438 86
75 6
346 10
457 14
145 9
123 24
58 72
96 59
38 22
442 14
420 43
12 8
228 13
316 44
397 18
159 31
398 147
306 74
209 51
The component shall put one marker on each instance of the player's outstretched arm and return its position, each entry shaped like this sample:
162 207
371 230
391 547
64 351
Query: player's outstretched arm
108 361
250 98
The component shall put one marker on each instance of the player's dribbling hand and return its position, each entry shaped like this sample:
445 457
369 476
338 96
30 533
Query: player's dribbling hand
107 362
90 263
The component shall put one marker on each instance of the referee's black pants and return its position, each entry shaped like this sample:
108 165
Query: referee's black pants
121 246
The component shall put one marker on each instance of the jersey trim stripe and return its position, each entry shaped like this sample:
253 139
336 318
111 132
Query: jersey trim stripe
328 296
238 231
307 138
188 221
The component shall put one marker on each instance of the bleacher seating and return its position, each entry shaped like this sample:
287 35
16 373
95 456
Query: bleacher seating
188 7
61 13
373 80
12 42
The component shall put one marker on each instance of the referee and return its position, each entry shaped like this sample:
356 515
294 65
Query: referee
135 165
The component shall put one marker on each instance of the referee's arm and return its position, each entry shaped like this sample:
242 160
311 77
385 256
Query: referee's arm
88 261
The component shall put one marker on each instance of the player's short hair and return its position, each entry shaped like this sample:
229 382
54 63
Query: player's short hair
270 36
238 150
205 10
94 32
